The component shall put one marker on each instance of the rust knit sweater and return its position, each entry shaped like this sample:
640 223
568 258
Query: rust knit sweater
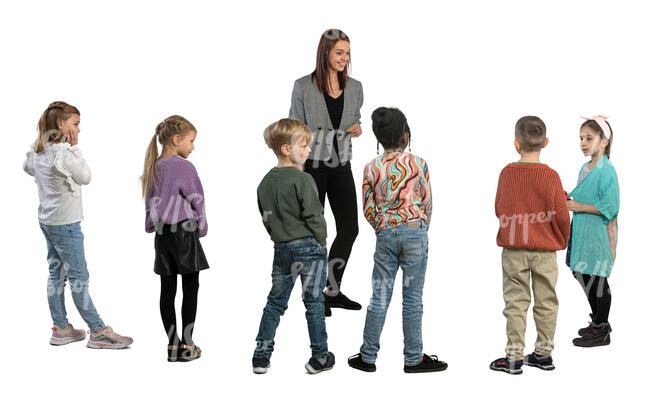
531 208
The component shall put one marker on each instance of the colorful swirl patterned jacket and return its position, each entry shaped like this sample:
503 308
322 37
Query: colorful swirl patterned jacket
396 190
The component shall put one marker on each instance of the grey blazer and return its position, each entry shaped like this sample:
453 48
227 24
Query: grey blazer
308 106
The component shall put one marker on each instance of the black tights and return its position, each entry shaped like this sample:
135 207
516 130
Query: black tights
188 311
598 294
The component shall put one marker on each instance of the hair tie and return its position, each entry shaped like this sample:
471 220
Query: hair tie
600 120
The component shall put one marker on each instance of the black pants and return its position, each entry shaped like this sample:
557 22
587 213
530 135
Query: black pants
338 184
598 294
168 286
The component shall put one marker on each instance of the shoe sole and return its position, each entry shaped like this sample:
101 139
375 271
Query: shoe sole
592 345
537 365
98 345
260 370
313 371
508 371
66 340
342 306
425 370
364 369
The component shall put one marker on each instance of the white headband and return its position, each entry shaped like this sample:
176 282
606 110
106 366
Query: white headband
600 120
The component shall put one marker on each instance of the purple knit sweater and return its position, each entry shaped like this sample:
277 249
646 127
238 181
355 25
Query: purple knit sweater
177 196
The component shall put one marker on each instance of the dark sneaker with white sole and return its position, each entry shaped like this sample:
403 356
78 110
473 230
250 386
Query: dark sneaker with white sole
356 362
427 364
510 366
340 301
315 365
598 335
261 365
542 362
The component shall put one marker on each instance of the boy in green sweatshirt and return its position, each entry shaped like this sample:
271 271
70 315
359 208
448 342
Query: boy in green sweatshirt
293 216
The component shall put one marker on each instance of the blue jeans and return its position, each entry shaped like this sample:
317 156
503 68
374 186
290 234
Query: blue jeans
65 255
306 258
405 247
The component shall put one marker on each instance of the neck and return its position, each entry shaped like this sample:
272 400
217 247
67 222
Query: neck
530 157
168 151
394 150
596 157
286 162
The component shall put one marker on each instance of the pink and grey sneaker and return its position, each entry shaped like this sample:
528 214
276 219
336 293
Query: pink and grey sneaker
107 338
66 335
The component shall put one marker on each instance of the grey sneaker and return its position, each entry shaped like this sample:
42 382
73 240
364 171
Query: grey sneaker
66 335
107 338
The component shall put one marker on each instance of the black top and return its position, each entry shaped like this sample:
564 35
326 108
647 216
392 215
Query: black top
335 110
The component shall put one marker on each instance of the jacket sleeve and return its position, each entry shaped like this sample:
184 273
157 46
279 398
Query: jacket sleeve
297 111
28 164
608 196
73 162
312 210
357 111
368 196
425 192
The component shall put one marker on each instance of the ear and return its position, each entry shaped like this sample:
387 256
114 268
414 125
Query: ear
545 143
285 149
604 143
517 146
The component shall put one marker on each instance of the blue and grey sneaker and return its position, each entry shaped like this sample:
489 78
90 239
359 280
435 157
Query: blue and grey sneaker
542 362
510 366
315 365
261 365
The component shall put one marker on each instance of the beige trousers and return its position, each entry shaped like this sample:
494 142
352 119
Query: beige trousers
518 267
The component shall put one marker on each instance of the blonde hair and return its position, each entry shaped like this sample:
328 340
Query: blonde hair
48 124
172 125
285 132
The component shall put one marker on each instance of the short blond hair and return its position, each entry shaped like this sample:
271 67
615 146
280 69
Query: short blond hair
286 131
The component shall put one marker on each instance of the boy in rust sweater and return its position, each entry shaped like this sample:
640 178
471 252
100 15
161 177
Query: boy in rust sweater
533 224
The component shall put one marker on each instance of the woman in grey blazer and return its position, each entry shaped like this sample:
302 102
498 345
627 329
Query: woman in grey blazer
329 102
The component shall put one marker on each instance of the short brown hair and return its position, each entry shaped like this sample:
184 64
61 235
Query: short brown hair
285 132
530 132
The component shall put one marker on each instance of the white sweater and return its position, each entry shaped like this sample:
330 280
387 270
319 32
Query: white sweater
59 171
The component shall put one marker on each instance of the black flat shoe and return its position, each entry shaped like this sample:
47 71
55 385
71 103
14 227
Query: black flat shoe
356 362
341 301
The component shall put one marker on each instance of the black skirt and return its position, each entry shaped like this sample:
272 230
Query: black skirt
178 250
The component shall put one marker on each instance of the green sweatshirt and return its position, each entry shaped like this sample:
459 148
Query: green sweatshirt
289 205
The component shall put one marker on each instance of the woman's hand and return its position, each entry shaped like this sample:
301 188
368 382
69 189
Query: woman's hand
72 138
354 130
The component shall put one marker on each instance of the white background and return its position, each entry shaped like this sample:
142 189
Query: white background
463 73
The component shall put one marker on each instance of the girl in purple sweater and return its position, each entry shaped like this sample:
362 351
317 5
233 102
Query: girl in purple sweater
175 210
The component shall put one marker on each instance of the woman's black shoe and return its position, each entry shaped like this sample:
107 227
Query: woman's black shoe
341 301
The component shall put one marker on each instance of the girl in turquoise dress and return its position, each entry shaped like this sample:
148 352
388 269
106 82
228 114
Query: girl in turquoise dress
592 244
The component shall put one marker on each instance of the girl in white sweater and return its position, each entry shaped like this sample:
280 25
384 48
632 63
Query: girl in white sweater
59 170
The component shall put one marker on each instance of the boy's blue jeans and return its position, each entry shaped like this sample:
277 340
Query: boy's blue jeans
404 246
306 258
67 261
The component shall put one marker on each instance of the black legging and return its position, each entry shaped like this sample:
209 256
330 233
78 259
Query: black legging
338 184
598 294
168 286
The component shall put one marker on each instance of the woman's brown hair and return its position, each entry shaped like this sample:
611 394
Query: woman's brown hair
48 124
321 74
172 125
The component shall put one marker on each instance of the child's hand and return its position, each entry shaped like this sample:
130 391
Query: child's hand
354 130
72 138
573 205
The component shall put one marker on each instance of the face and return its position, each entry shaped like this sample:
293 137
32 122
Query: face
70 125
185 144
299 151
591 143
339 56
